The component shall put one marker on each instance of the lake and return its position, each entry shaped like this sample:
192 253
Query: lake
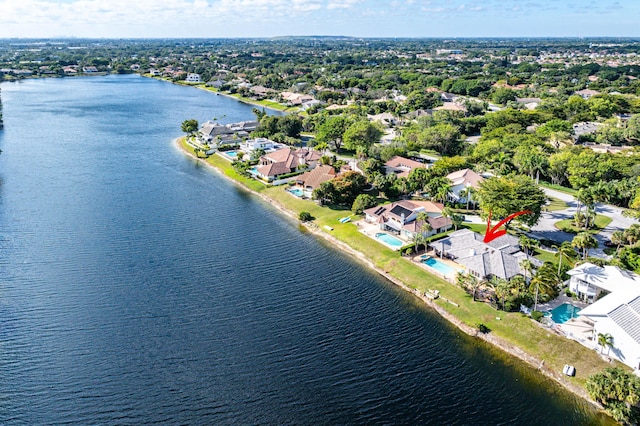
138 286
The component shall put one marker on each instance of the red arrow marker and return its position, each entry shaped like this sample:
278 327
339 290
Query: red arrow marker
493 233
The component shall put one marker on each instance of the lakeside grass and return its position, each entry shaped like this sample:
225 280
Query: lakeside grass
519 331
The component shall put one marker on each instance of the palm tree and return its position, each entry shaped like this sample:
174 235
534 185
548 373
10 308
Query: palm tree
605 340
564 250
584 241
527 266
528 244
467 194
422 227
545 280
618 238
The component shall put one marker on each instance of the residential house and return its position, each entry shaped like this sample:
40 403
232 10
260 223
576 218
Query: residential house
312 179
283 161
261 92
460 181
401 216
234 132
193 78
529 103
586 93
616 310
591 282
501 257
402 166
89 70
217 84
258 143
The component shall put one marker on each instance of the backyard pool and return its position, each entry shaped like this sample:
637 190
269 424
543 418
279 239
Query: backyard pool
564 313
389 239
441 267
231 153
297 192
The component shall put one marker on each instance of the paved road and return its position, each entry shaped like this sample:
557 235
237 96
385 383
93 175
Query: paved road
546 229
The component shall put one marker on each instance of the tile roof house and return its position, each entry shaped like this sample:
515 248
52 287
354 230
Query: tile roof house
586 93
460 181
402 166
312 179
501 257
286 160
617 312
400 217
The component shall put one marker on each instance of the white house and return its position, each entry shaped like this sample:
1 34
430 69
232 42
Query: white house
591 282
401 216
616 310
258 143
193 78
460 181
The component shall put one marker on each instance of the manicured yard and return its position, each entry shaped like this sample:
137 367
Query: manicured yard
564 189
600 223
555 204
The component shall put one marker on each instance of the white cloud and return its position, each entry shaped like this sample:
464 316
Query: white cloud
342 4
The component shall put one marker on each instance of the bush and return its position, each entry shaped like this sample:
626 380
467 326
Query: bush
483 328
537 315
305 216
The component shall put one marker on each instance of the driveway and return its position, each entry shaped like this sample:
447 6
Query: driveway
546 229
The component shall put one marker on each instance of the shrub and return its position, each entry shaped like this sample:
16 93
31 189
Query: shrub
483 328
305 216
537 315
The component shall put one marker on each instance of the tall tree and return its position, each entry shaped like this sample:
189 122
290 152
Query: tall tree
503 196
584 241
189 126
332 130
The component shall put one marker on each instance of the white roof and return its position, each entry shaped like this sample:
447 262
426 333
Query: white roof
622 308
609 278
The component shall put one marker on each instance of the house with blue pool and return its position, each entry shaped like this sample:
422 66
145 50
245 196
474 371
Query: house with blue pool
615 308
401 218
500 258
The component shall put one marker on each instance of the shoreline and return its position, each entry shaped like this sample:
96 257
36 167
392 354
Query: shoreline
495 341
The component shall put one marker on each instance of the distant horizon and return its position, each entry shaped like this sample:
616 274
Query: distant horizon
180 19
604 37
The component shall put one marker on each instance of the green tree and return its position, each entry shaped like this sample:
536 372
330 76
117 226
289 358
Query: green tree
503 196
189 126
363 202
605 341
618 391
584 241
332 130
564 251
361 134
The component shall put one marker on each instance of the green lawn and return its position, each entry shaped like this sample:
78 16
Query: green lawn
601 222
555 204
564 189
514 328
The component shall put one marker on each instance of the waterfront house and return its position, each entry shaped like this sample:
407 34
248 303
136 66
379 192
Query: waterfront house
400 218
501 257
312 179
591 282
193 78
273 165
615 310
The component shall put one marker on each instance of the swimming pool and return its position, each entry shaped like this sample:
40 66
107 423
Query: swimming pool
389 239
441 267
297 192
564 313
231 153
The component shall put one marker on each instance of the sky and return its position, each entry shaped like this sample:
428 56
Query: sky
357 18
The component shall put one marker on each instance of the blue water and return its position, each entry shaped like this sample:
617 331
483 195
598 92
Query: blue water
231 153
439 266
564 313
139 287
297 192
389 239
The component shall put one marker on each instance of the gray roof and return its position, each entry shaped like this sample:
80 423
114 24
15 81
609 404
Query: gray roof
500 257
627 317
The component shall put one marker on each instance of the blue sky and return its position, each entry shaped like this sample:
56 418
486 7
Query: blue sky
360 18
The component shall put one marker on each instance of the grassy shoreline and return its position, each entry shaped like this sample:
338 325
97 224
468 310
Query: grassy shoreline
512 332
